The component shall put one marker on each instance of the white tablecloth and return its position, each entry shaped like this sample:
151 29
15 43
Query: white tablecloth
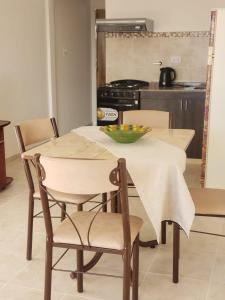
156 169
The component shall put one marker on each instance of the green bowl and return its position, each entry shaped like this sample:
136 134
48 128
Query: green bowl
125 134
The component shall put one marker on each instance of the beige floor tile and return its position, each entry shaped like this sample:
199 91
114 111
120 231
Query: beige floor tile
196 243
207 224
33 277
26 278
218 275
159 287
221 245
10 265
216 292
192 265
102 288
2 283
11 292
72 297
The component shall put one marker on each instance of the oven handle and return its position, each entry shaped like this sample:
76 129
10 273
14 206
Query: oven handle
107 105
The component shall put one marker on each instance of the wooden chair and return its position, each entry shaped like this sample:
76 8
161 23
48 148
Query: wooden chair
93 230
29 134
208 203
151 118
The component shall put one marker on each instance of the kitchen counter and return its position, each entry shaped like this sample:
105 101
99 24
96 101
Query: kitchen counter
179 87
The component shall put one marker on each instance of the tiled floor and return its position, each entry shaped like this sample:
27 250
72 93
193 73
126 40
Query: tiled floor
202 265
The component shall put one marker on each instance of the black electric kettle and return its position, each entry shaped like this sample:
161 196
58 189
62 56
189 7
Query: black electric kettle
167 76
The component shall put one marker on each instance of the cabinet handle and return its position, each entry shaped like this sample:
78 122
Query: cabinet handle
186 105
181 104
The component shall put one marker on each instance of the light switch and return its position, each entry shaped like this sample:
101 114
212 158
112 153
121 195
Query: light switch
175 60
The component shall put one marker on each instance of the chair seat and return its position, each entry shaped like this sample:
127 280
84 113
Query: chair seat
209 201
69 198
106 230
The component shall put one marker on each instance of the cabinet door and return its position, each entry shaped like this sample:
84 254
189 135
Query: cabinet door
170 102
194 106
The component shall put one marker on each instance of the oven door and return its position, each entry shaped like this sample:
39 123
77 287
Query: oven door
110 112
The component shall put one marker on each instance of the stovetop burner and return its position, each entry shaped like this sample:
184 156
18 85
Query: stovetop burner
127 84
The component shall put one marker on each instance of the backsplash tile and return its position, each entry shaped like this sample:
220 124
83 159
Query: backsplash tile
179 34
131 55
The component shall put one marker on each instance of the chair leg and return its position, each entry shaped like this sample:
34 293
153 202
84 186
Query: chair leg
80 263
163 232
104 202
135 274
30 226
126 275
119 208
48 272
113 202
63 212
176 252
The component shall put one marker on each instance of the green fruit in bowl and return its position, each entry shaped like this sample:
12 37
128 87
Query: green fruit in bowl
125 133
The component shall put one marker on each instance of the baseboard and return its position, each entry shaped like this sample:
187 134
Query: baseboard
11 158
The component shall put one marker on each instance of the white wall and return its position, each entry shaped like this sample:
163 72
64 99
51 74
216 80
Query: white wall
173 15
215 164
23 76
73 57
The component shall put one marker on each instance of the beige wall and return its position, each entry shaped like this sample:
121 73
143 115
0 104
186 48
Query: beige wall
215 163
134 58
23 76
27 75
73 56
173 15
97 4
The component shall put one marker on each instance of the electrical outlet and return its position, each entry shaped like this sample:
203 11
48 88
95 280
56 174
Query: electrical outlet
175 60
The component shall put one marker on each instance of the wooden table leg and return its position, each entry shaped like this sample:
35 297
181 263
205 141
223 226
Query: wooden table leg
176 252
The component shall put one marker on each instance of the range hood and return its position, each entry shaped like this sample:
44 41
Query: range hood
124 25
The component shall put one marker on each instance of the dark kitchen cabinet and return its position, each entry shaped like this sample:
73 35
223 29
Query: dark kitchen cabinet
166 102
187 109
194 107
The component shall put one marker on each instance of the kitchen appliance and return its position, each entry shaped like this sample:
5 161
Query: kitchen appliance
116 97
124 25
167 76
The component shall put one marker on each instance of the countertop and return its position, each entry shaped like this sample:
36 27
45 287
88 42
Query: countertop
179 87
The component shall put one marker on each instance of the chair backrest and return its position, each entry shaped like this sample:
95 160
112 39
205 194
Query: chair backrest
76 176
151 118
32 132
36 131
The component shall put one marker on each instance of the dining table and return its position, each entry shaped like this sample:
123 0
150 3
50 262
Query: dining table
155 163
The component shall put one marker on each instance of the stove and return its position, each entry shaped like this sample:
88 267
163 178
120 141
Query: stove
116 97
